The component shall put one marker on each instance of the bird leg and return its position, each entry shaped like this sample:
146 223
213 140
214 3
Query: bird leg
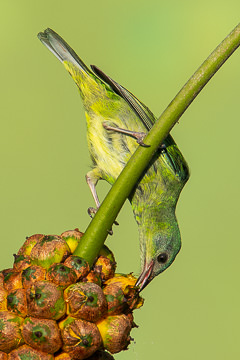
139 136
92 178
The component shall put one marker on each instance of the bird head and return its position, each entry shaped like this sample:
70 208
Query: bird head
159 251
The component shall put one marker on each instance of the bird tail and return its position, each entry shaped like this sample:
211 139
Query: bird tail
61 49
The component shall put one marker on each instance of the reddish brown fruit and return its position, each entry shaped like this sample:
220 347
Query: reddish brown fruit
3 299
21 262
81 338
1 279
72 238
93 277
49 250
41 334
63 356
3 356
17 302
79 265
115 332
116 300
45 300
32 274
10 334
85 301
12 280
25 352
61 274
29 244
127 284
105 268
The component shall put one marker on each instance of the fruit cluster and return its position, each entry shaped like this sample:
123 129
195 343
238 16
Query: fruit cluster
53 306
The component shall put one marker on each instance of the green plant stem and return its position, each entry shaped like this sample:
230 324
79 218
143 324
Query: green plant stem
97 231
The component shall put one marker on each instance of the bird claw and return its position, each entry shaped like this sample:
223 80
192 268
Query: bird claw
91 211
140 137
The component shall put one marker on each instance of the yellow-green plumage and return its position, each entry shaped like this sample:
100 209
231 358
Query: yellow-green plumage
155 197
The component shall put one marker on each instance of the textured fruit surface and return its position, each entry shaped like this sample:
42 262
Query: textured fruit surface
54 306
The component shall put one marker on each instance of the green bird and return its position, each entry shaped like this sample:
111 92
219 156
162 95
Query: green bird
115 120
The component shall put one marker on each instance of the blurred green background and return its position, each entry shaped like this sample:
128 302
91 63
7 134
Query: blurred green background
152 48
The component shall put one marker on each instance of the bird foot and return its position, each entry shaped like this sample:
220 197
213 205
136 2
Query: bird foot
139 136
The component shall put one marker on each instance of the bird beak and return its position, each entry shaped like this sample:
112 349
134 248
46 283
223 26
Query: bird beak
145 277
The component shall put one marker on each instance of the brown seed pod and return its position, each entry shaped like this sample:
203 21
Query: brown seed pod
25 352
45 300
3 299
93 277
116 300
61 274
32 274
1 279
72 238
105 267
42 334
21 262
29 244
127 284
49 250
115 332
3 356
106 252
10 334
79 265
80 338
85 301
62 356
12 280
17 302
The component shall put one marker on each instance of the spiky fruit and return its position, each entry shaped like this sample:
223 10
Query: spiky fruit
53 306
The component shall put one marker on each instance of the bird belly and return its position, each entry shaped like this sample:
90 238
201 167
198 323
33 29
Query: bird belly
109 150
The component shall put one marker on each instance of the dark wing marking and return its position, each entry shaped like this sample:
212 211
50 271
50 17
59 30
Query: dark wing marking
140 109
170 154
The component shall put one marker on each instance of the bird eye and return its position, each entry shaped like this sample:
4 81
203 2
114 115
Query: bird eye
162 258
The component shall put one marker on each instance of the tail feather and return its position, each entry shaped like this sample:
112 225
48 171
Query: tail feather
61 49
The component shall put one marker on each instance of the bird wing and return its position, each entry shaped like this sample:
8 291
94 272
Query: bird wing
170 154
145 115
